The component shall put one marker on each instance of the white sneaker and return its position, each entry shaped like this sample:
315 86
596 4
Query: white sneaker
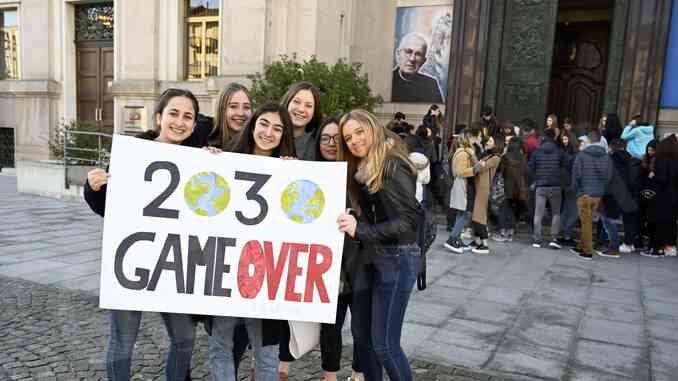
670 251
626 249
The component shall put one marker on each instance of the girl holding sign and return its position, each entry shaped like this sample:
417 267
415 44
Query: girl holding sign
383 181
175 116
269 132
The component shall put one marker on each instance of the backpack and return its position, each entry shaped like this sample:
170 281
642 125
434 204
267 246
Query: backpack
497 191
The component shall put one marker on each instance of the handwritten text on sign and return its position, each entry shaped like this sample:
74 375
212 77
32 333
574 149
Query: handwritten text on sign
235 235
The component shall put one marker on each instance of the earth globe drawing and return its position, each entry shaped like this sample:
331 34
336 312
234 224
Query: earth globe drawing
207 194
302 201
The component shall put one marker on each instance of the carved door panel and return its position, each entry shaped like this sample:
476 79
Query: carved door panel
527 49
94 61
579 70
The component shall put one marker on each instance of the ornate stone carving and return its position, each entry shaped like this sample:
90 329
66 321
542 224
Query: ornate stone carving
523 96
527 45
94 22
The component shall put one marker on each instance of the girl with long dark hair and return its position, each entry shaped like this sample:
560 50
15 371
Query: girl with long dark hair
269 132
175 115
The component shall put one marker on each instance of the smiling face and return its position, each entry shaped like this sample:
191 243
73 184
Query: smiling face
328 142
358 138
238 110
411 54
301 108
566 140
268 131
176 120
549 122
489 144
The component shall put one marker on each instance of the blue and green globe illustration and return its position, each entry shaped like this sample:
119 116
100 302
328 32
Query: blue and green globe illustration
302 201
207 194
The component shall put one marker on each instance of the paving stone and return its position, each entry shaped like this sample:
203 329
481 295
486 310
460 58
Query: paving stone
660 308
663 329
487 311
613 332
616 296
617 312
502 295
518 356
612 359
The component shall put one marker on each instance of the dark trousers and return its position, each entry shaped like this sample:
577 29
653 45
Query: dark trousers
663 234
360 303
631 228
479 230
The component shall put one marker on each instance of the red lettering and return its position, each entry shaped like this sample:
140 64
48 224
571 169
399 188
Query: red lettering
316 271
274 270
250 285
293 271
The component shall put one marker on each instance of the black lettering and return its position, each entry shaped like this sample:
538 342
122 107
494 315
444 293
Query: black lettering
173 244
200 255
142 274
221 268
153 209
253 195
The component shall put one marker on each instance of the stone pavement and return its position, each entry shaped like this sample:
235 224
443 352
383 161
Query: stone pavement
519 314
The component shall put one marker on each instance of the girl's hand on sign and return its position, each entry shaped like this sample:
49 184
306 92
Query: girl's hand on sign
97 178
288 157
213 150
347 224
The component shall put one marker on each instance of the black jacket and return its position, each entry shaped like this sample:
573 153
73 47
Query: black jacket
546 163
620 197
662 209
391 216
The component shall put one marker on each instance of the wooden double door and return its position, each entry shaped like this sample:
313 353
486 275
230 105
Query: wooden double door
94 79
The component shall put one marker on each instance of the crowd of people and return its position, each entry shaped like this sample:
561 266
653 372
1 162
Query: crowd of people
607 179
618 184
381 257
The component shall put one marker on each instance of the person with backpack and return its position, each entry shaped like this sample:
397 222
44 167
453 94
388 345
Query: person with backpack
514 172
545 166
590 176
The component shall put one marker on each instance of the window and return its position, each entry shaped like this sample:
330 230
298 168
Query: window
202 42
9 44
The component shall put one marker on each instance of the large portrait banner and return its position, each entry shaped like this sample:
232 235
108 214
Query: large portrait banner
421 55
187 231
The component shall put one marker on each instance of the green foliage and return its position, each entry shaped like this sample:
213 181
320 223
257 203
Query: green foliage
342 86
81 149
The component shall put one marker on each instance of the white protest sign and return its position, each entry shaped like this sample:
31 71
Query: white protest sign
188 231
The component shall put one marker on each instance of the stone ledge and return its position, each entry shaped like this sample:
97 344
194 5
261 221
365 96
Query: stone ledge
37 87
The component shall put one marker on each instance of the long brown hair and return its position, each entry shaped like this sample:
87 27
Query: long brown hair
385 145
317 114
221 132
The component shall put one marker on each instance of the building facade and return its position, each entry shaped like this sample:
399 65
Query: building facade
105 62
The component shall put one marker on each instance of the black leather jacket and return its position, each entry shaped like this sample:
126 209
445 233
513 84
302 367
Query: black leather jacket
392 215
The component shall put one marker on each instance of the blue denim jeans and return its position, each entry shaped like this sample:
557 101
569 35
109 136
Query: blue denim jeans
221 349
459 223
396 270
612 231
124 330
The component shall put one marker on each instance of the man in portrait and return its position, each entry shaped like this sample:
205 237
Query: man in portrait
409 85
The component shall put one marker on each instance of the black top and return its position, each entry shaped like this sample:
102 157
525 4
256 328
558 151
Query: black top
392 215
417 88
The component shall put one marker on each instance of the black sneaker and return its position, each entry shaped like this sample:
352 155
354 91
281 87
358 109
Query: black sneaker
536 244
576 251
554 245
455 245
568 242
480 249
585 257
653 253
